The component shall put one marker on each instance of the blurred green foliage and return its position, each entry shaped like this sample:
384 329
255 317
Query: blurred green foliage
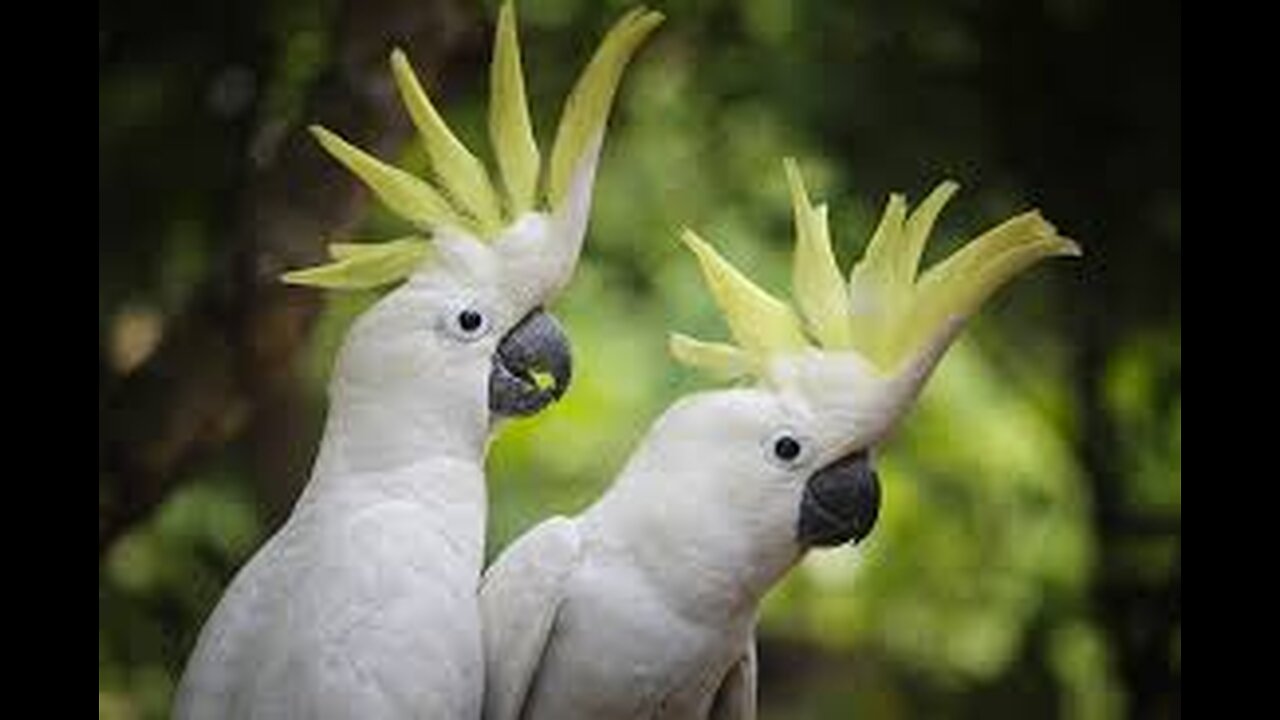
980 587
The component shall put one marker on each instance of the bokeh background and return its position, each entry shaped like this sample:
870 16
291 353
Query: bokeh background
1028 559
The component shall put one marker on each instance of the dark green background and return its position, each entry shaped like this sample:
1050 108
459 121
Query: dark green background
1028 559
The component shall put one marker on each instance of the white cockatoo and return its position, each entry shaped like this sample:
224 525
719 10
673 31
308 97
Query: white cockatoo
644 606
364 604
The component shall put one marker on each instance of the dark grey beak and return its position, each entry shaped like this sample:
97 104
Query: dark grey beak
840 503
533 350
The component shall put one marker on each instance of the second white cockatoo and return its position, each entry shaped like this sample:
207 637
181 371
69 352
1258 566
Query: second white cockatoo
644 606
363 605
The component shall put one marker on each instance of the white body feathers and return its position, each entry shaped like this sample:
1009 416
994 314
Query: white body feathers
645 605
363 604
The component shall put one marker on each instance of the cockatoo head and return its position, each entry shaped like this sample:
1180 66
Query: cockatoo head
834 373
469 318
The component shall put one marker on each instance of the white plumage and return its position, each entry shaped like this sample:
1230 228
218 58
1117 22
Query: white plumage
363 605
644 606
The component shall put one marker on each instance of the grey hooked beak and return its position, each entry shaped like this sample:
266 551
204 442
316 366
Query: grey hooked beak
840 503
531 367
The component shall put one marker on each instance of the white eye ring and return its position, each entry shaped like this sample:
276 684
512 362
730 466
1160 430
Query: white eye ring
466 323
787 449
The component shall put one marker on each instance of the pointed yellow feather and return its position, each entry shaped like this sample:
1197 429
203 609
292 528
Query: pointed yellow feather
886 236
460 173
884 295
402 193
510 130
877 297
893 314
363 266
918 226
1011 233
958 286
960 295
720 360
343 250
587 110
873 275
760 323
816 280
968 268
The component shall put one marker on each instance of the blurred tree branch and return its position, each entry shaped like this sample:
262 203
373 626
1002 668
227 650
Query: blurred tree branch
232 350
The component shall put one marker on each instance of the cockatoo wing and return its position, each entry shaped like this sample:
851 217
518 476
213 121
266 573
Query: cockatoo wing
736 698
520 595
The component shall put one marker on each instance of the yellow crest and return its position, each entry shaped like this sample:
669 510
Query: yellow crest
887 312
461 194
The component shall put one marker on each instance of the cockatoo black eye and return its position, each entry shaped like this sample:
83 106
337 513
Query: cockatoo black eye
470 321
786 448
465 323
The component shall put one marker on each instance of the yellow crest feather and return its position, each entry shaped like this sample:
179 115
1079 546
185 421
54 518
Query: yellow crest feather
719 359
587 109
819 289
510 130
888 313
762 324
461 174
402 193
463 196
359 266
